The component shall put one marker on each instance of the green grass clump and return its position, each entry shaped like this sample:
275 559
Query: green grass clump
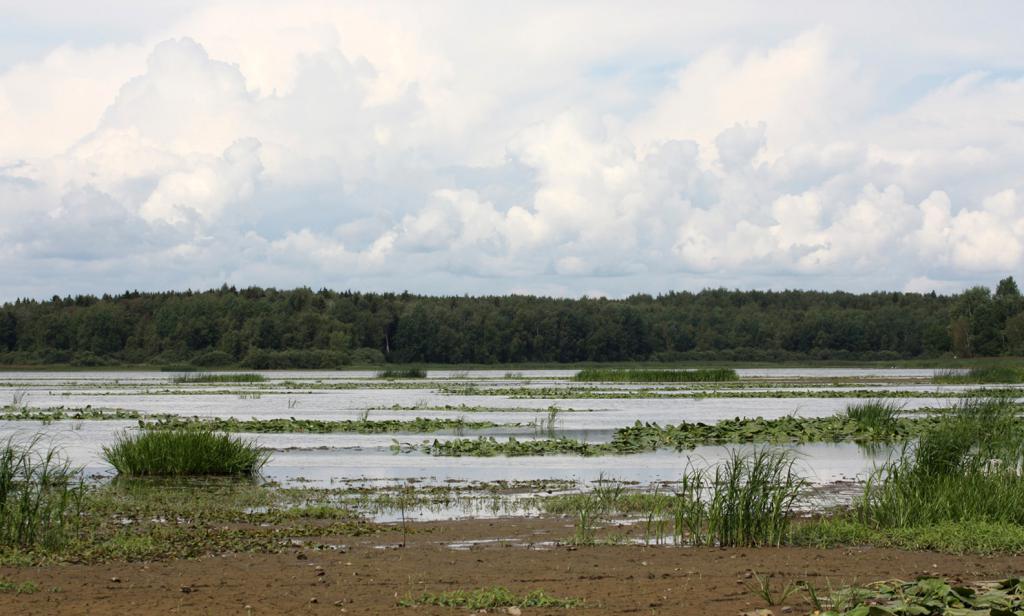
18 588
184 452
877 415
490 598
981 374
404 373
233 377
967 467
747 501
40 496
613 375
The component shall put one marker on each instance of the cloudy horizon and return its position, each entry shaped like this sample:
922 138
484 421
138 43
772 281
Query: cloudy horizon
565 148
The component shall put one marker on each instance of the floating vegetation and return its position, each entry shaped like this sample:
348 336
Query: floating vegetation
61 413
641 437
229 377
486 446
184 452
316 426
982 374
667 394
613 375
490 598
403 373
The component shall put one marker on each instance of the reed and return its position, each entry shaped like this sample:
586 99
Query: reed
232 377
981 374
966 468
41 496
613 375
876 415
403 373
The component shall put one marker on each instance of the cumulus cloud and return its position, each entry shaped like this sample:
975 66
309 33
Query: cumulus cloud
450 149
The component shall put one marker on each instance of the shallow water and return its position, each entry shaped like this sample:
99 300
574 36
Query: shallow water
333 459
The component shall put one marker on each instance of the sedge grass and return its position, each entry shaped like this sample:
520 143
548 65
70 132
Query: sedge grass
229 377
612 375
876 415
747 501
184 452
981 374
40 496
404 373
967 467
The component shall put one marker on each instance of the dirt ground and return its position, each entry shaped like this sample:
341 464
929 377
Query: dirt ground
368 575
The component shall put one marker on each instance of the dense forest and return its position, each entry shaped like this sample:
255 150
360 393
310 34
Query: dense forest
301 328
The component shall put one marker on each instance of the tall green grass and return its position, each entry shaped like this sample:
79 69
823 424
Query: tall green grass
402 373
967 468
878 415
41 496
184 452
615 375
981 374
747 500
232 377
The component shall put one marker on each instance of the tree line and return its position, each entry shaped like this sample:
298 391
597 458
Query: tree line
302 328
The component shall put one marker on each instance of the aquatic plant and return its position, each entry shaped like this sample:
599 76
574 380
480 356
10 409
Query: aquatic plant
617 375
667 393
229 377
966 467
184 452
314 426
641 437
877 415
981 374
60 413
403 373
40 495
747 500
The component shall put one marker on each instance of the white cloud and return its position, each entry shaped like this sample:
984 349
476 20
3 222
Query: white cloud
450 148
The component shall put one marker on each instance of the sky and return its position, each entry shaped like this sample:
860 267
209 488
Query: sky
555 148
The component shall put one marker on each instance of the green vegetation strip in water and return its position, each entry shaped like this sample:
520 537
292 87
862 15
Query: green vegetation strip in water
219 378
668 394
318 426
61 413
166 421
642 437
981 374
402 373
612 375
